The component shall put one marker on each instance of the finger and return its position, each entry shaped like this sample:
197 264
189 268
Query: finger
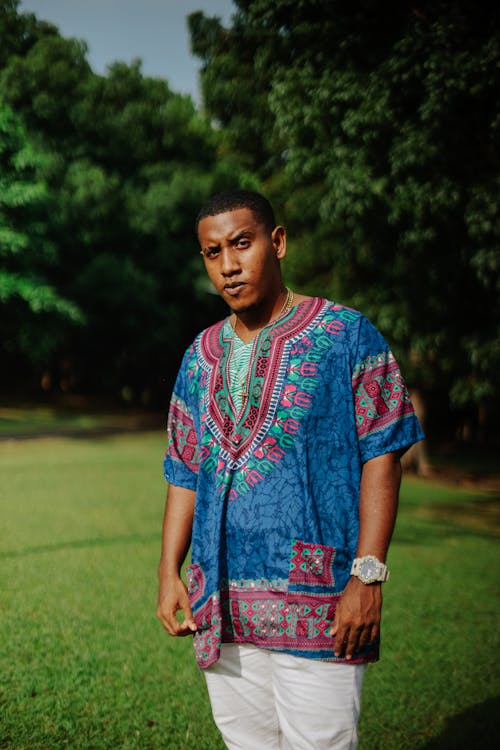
176 627
375 633
352 644
188 620
341 638
368 634
364 639
334 627
185 629
170 624
188 624
169 620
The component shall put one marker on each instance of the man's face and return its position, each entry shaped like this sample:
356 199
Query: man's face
242 258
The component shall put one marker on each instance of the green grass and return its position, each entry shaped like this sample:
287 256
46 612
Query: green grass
85 665
438 677
77 418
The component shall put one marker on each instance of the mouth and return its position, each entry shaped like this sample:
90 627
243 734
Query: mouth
234 288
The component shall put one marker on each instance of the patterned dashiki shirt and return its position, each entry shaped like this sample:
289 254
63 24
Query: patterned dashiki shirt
277 481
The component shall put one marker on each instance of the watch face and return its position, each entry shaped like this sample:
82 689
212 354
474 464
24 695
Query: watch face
369 569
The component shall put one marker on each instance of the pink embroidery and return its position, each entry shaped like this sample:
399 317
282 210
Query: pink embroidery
380 394
182 439
311 564
236 432
263 613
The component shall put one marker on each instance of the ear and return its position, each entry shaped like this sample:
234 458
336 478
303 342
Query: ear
278 237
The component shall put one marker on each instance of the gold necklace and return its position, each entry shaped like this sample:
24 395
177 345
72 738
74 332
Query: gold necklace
285 309
243 378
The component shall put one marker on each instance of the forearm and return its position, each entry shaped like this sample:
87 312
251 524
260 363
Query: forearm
172 592
357 619
378 504
177 528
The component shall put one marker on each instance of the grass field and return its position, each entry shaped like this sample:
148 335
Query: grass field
85 665
73 419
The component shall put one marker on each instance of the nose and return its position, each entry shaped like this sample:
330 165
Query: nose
229 262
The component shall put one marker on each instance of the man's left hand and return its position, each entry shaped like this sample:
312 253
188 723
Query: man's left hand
357 617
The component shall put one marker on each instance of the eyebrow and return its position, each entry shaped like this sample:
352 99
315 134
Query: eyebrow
244 233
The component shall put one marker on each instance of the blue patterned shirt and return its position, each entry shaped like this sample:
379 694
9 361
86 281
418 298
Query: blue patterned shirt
277 477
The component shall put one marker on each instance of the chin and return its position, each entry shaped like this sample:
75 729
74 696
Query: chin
241 307
238 305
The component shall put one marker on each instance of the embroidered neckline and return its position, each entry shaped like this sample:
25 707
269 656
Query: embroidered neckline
238 431
240 362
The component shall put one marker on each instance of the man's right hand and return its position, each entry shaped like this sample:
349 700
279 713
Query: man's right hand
173 598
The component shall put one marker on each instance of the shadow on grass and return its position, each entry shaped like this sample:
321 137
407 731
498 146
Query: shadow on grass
85 433
80 544
476 727
435 521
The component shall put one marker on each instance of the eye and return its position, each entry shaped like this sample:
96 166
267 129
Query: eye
242 243
211 252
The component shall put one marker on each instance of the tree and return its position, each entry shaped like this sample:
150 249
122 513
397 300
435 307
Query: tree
127 163
19 31
35 315
376 126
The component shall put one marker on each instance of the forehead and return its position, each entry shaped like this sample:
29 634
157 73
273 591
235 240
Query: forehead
227 225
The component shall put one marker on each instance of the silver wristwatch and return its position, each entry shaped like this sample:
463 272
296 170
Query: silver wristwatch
369 569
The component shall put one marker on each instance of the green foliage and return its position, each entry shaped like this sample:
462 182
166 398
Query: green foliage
373 127
126 163
34 313
18 32
86 665
376 128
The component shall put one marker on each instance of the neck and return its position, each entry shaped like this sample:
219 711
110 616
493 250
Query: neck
249 323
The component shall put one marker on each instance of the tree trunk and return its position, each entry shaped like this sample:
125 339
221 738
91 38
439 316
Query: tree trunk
415 459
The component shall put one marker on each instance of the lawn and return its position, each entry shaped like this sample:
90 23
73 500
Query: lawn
85 665
74 418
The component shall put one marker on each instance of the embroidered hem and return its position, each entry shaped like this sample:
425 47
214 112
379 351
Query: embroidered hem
270 615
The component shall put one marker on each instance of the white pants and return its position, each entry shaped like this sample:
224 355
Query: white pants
265 700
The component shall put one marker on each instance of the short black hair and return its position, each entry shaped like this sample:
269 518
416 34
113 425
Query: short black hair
230 200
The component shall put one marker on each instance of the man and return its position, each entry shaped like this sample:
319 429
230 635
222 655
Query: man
286 426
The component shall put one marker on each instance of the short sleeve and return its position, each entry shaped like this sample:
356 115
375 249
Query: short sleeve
182 457
385 417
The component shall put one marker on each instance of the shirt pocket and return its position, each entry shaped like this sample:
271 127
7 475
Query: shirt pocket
311 595
311 570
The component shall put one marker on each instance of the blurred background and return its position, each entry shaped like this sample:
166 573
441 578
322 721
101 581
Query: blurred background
373 127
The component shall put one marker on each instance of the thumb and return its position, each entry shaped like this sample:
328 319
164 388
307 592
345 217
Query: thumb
189 619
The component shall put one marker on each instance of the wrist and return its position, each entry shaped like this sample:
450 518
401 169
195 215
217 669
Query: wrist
168 570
